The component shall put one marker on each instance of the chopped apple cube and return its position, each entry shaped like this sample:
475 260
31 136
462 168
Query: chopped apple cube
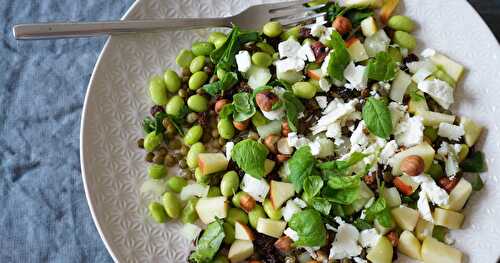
433 119
243 232
240 250
212 162
387 10
271 227
451 67
399 86
472 130
409 245
280 192
423 229
392 197
448 218
381 252
268 166
210 208
356 49
434 251
314 74
423 150
405 217
369 26
382 229
459 195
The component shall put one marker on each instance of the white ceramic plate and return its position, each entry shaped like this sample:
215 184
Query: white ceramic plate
113 169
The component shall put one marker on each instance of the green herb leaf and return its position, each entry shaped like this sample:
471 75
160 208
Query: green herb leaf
342 189
343 164
322 205
209 243
382 67
476 182
261 89
339 56
293 107
301 166
310 228
313 185
377 118
439 232
226 111
379 210
224 56
474 163
250 36
244 106
250 156
362 224
228 81
332 9
358 15
148 124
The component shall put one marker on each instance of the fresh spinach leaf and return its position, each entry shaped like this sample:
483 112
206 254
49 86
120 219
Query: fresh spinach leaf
310 228
476 182
313 185
377 118
244 107
362 224
224 56
249 36
343 164
293 108
301 166
228 81
322 205
379 210
382 67
474 163
339 56
209 243
342 190
226 111
250 156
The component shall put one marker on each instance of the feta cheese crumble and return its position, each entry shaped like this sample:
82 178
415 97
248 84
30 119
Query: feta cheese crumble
357 77
243 61
257 188
292 234
439 90
369 237
335 110
322 101
229 148
423 207
436 194
345 244
388 151
289 210
410 132
289 48
450 131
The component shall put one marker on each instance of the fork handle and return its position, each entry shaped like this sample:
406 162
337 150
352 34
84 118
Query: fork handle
91 29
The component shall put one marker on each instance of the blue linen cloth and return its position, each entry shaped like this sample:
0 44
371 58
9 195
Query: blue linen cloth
44 216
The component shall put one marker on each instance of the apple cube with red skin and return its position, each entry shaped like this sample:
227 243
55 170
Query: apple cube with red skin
212 162
387 10
243 232
240 250
314 74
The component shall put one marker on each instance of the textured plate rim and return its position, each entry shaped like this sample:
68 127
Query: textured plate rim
83 140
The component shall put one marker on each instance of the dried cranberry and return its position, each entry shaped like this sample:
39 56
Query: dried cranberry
204 118
155 109
319 51
410 58
305 32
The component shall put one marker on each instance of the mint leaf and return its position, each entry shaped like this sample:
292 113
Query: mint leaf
343 164
382 67
209 243
224 56
293 107
250 156
379 210
322 205
301 166
228 81
362 224
312 185
226 111
309 227
339 56
244 106
377 118
474 163
342 190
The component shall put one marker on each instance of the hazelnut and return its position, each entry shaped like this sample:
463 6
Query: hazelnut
282 157
241 125
447 183
393 237
285 129
220 104
270 142
247 203
412 165
265 100
342 24
283 146
369 179
321 256
283 244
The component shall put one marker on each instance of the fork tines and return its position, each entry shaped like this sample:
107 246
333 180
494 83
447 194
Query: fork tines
292 13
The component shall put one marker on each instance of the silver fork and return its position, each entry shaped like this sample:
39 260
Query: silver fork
287 13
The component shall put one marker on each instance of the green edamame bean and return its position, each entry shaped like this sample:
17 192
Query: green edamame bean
270 211
174 106
236 214
197 80
157 171
215 35
157 212
200 177
225 128
395 54
402 23
213 191
172 205
176 183
197 64
220 73
202 48
304 90
236 198
255 214
184 58
405 40
189 214
264 47
272 29
158 91
229 233
152 141
262 59
258 119
197 103
292 32
172 81
220 259
229 183
435 171
192 155
219 42
193 135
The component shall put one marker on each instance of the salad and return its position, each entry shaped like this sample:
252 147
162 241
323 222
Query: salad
331 141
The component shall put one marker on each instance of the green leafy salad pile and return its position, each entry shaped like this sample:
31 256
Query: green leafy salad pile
331 141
